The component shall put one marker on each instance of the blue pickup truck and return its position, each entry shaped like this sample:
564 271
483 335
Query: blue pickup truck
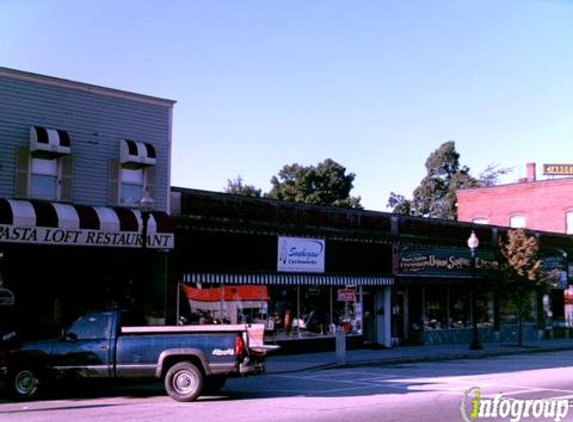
191 360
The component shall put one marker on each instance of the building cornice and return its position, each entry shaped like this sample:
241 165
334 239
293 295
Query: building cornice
80 86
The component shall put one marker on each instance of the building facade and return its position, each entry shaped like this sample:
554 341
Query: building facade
309 273
75 161
541 205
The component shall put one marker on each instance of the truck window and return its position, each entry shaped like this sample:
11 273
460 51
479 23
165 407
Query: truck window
91 327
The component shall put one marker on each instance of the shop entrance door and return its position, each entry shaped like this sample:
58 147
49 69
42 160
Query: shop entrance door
369 315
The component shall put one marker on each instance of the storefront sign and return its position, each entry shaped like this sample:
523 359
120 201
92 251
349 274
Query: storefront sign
297 254
558 169
445 262
555 267
57 236
346 295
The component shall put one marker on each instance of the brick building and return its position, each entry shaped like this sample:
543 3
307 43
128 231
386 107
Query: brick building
545 205
530 203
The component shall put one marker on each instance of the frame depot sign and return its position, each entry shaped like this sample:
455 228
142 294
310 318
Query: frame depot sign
296 254
558 169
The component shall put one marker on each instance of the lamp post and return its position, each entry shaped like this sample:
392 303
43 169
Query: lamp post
145 206
473 243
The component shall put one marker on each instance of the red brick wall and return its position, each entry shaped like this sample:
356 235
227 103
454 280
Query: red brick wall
543 203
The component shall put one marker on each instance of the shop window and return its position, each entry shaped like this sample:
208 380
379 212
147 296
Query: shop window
288 312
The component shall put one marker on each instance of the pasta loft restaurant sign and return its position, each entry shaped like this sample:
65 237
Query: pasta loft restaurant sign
558 169
72 237
297 254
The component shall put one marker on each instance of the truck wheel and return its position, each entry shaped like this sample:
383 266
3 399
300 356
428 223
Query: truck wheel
214 383
25 384
184 382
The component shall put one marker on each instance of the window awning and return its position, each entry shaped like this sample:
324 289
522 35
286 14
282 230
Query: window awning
52 223
49 141
136 153
287 278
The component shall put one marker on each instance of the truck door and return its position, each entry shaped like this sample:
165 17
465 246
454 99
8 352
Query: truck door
85 348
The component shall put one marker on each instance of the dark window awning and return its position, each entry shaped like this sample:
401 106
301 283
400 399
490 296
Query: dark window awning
137 153
43 222
49 141
288 279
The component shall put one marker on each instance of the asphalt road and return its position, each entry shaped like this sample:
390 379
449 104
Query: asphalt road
429 391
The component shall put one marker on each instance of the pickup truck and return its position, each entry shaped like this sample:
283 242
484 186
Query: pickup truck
191 360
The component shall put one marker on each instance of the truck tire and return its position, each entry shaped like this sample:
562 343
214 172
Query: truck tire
184 382
214 383
25 384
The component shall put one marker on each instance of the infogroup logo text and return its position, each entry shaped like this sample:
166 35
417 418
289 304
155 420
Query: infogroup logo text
474 407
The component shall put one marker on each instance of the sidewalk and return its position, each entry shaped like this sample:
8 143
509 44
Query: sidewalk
397 355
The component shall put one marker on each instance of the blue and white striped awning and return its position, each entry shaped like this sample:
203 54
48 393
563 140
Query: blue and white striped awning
287 279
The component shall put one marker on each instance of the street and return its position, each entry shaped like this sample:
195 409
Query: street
429 391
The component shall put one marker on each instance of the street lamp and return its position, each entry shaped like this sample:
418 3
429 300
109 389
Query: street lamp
145 206
473 243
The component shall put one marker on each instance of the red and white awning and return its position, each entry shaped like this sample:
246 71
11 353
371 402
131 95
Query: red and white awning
42 222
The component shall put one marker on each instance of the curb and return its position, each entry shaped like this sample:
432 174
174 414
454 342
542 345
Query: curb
428 358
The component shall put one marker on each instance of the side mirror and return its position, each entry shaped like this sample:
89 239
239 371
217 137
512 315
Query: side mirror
69 336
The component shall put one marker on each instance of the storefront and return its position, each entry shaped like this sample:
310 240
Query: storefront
59 260
300 288
438 291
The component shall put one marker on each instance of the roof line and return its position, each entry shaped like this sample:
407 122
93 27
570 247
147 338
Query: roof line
80 86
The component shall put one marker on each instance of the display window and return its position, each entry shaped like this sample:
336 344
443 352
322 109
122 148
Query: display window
287 311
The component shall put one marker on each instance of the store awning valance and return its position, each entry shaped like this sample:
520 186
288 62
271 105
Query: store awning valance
137 153
49 141
287 279
41 222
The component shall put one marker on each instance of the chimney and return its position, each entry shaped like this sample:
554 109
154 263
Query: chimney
530 172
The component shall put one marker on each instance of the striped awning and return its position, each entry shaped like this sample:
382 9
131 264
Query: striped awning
43 222
288 279
49 141
136 153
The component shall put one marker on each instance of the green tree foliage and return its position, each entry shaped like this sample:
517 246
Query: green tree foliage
436 195
324 184
238 187
521 272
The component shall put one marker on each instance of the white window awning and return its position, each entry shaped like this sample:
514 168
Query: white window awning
49 141
137 154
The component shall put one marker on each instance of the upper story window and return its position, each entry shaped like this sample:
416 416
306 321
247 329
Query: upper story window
517 221
569 222
132 185
480 220
44 175
44 170
133 174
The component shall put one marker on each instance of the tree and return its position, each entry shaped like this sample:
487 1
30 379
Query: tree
436 195
521 272
324 184
238 187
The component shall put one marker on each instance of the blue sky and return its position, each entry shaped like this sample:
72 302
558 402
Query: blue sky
374 85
